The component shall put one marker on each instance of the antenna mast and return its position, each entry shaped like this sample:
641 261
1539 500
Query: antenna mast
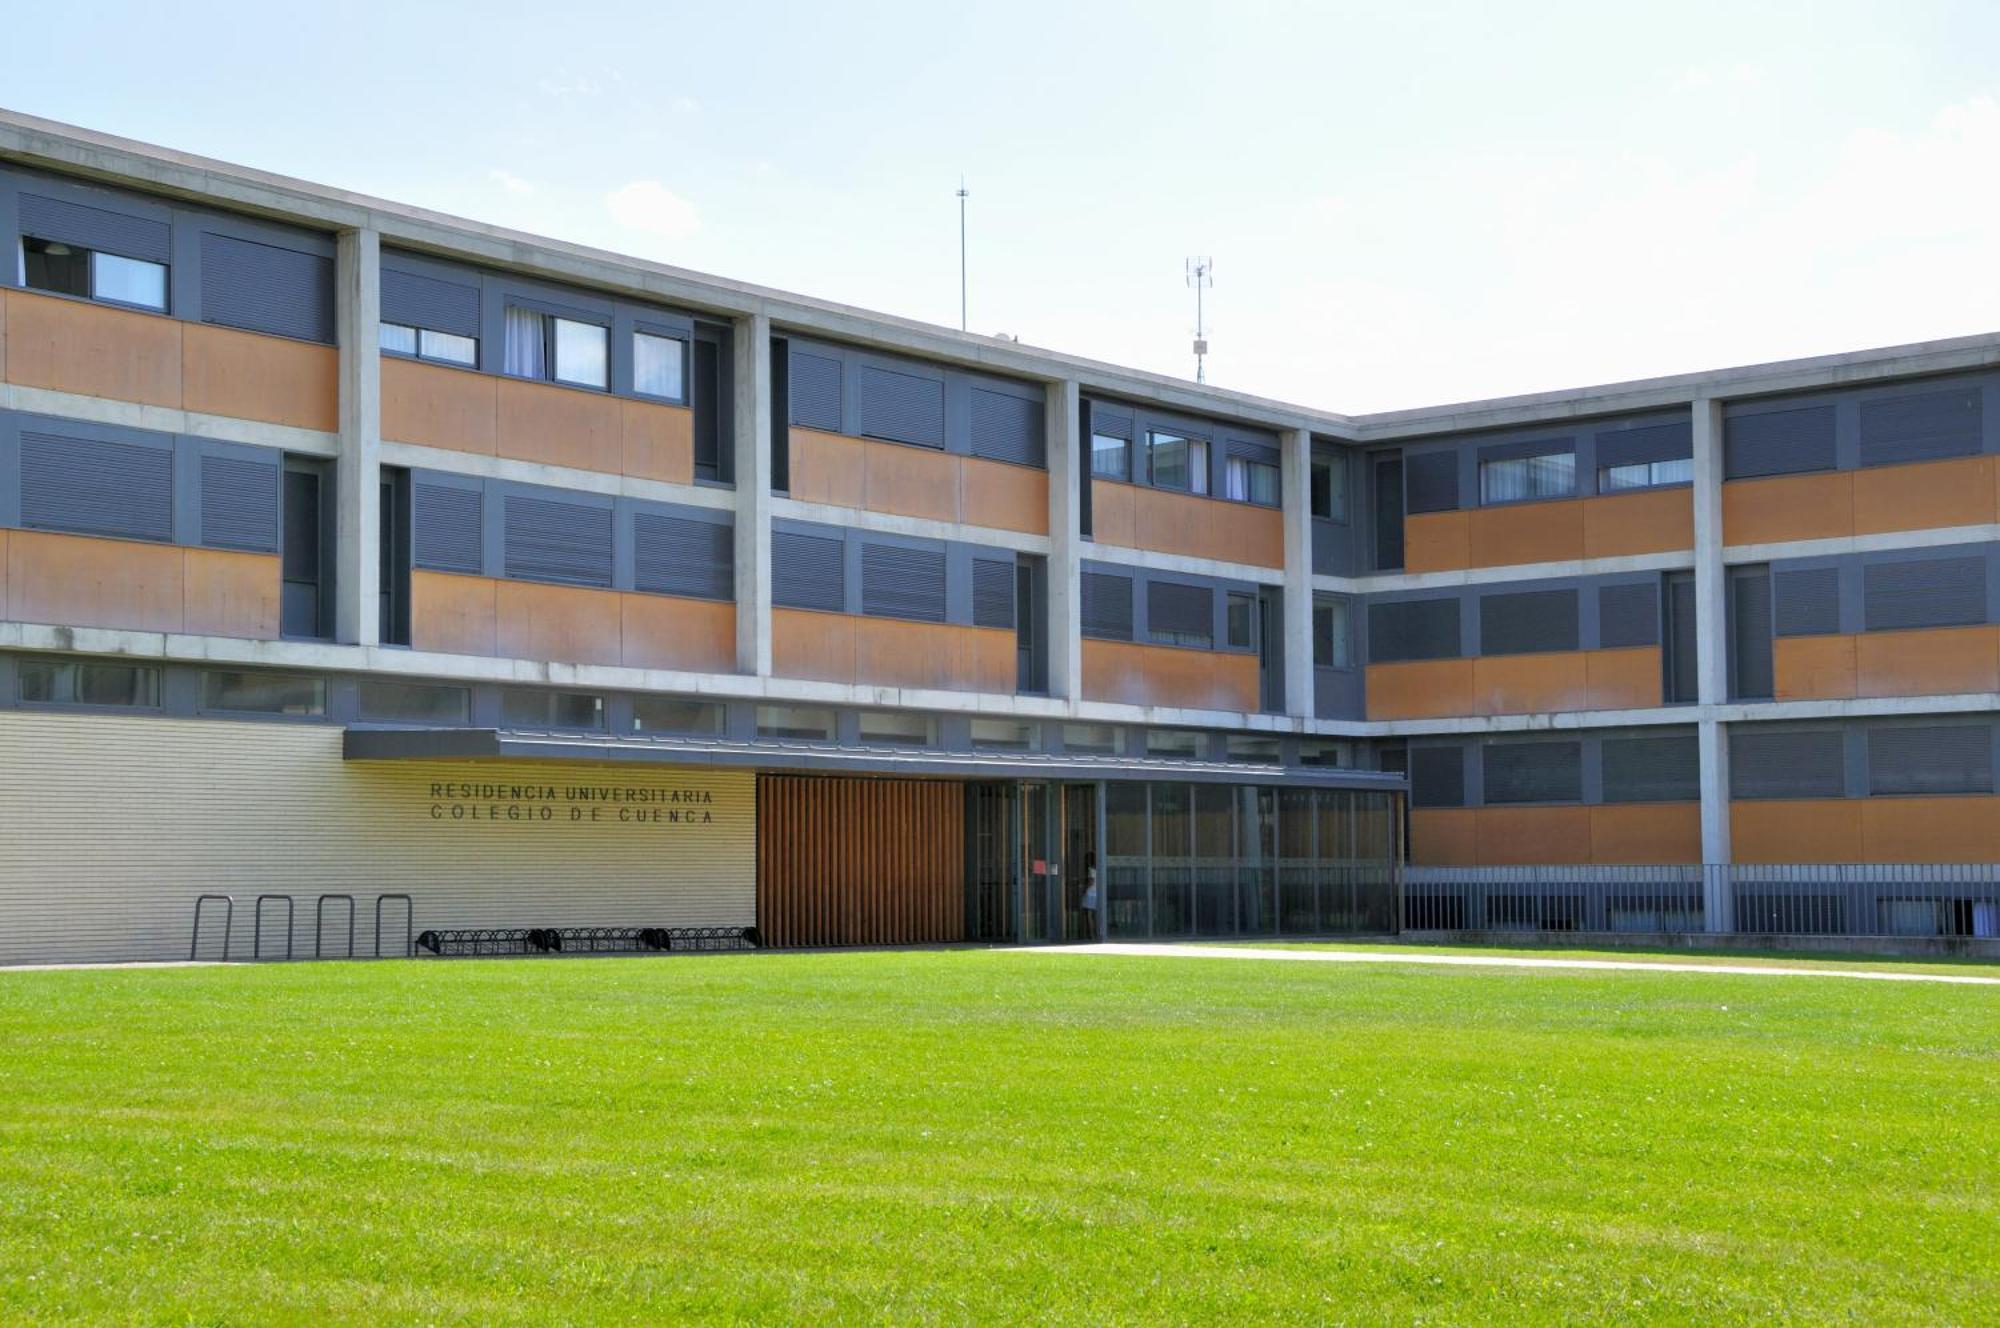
961 253
1200 275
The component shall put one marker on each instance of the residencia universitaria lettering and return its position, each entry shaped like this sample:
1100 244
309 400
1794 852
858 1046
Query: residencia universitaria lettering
538 804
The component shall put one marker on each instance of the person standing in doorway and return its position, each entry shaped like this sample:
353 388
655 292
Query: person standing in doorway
1090 899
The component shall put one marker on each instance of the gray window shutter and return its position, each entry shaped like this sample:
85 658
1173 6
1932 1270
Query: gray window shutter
1107 605
1628 616
1527 621
1652 442
1810 764
96 228
548 539
1172 606
902 407
91 486
902 582
1245 450
1006 427
1413 629
1778 442
992 592
1928 592
679 555
1110 423
1663 768
1534 772
265 288
1750 628
1437 776
1430 481
1930 759
239 503
1808 601
808 571
814 386
1927 427
446 527
419 301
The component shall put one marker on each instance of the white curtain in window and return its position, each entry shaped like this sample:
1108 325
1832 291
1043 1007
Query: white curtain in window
527 353
1236 480
1197 466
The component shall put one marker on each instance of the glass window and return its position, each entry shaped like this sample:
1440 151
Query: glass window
1090 739
896 728
414 703
1110 457
128 281
50 265
1246 481
1263 484
1552 475
1167 456
658 366
1252 749
263 693
671 714
1329 490
67 682
449 347
1197 459
814 723
1645 475
1333 646
66 269
1181 744
527 345
398 339
1242 620
581 353
1326 751
1003 734
529 708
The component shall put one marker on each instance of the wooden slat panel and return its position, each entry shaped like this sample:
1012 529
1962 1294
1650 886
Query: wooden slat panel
1788 507
859 861
1925 495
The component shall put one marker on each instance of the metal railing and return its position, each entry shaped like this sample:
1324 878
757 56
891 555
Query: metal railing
1793 899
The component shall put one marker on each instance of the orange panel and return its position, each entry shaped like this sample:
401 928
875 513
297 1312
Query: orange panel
987 659
910 481
1646 832
435 406
1963 829
1935 661
232 594
826 468
1526 533
559 426
1788 507
453 615
1204 679
892 653
1245 533
810 644
658 442
574 624
254 377
1625 679
1528 684
1813 668
1924 495
1420 689
91 349
1805 830
1003 496
1517 836
1444 837
668 632
1436 542
80 581
1114 671
1113 512
1622 524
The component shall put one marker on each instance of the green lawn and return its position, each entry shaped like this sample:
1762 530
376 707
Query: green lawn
1949 965
977 1136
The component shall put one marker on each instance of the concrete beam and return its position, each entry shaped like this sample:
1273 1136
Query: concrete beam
1711 608
750 344
1295 484
358 469
1065 450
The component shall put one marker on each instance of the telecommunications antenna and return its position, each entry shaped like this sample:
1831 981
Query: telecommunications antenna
1200 276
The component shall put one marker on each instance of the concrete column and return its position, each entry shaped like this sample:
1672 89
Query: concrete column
358 470
1065 608
751 348
1295 483
1711 659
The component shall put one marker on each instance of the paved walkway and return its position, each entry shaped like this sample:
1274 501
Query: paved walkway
1498 961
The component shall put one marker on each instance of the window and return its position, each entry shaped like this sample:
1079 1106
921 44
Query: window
582 353
1251 749
547 346
414 703
1242 621
659 366
69 682
670 714
263 693
1333 645
1179 744
1090 739
1003 734
1177 461
1519 479
891 728
1110 457
1326 751
1645 475
813 723
1246 481
1329 490
528 708
65 269
303 596
422 342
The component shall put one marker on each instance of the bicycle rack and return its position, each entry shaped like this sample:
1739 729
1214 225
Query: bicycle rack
228 923
409 924
319 922
257 931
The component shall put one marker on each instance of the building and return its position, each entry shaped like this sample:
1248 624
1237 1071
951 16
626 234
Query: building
385 571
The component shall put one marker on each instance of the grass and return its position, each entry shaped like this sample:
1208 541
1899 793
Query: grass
978 1136
1950 965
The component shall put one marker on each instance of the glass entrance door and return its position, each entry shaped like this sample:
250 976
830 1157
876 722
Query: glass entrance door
1058 854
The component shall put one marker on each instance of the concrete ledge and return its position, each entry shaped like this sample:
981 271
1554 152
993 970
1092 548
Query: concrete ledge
1911 947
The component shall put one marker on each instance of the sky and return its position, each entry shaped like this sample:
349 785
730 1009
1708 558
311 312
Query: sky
1406 204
